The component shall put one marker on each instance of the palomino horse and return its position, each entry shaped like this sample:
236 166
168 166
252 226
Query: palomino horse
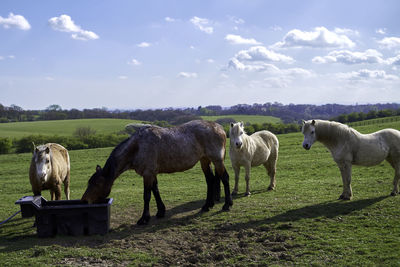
248 151
152 150
348 147
50 166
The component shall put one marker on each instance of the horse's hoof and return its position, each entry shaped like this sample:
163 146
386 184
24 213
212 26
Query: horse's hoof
344 197
247 194
225 207
160 214
270 188
143 220
234 193
205 208
393 194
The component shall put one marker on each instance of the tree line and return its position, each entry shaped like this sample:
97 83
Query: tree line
287 113
361 116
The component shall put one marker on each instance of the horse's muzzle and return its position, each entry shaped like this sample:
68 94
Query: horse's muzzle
306 146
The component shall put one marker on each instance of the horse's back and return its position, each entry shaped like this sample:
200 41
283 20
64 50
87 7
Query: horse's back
60 159
267 138
167 150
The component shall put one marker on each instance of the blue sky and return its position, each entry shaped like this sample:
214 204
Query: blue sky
160 54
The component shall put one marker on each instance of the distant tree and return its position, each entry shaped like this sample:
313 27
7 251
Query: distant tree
84 132
54 107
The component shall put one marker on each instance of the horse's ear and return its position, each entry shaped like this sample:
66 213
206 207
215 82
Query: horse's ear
47 150
241 124
98 168
303 122
232 124
313 122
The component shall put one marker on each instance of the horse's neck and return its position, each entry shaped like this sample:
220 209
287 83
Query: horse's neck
120 159
328 134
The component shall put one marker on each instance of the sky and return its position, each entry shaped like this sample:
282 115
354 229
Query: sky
126 54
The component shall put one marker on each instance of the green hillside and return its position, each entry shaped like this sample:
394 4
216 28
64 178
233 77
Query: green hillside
61 127
245 118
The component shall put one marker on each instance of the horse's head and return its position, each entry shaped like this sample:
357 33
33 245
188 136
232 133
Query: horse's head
308 131
41 158
236 133
98 187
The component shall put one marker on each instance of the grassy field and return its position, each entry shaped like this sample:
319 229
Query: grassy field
102 126
300 223
61 127
246 118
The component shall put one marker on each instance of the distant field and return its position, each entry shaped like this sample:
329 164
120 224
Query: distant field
245 118
61 127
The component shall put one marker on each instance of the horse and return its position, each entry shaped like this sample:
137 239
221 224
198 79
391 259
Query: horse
248 151
152 150
50 166
349 147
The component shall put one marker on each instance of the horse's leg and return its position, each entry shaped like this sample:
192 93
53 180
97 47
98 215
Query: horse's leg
396 167
236 169
217 188
66 186
57 189
345 170
223 174
247 168
148 185
210 179
160 204
270 166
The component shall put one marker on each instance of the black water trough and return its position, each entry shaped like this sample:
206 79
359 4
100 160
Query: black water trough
66 217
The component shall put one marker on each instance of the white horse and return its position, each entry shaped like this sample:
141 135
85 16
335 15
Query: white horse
349 147
248 151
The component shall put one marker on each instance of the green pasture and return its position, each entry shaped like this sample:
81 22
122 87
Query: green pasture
245 118
301 223
61 127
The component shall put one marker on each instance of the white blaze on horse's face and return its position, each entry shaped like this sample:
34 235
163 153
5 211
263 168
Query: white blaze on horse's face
42 160
235 134
308 131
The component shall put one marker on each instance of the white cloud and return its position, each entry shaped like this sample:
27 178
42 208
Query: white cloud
144 45
169 19
202 24
64 23
122 77
187 75
7 57
15 21
346 31
276 28
271 69
320 37
394 60
365 74
49 78
134 62
348 57
262 54
390 42
236 20
237 39
381 31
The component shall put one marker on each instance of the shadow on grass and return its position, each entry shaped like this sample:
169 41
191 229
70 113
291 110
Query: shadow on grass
329 209
13 241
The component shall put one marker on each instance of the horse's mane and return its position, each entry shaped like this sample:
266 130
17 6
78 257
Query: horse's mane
330 131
